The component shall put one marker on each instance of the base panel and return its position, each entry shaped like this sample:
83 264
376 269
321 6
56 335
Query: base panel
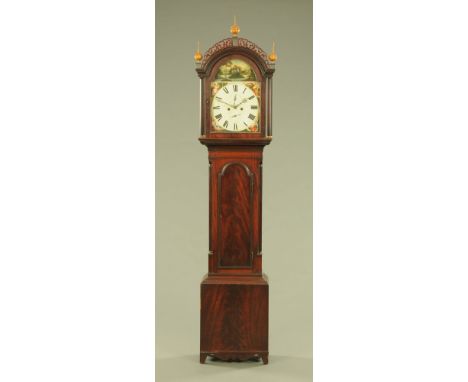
234 318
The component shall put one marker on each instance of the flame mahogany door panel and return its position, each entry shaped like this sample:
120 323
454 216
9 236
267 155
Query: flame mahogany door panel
235 192
235 208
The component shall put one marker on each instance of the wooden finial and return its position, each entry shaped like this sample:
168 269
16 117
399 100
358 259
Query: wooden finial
198 56
272 57
235 28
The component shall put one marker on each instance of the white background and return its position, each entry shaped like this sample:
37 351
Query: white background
390 191
76 191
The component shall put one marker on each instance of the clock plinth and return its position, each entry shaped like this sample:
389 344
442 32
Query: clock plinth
234 318
236 99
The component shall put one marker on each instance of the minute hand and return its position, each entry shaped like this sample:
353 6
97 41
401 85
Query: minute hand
240 103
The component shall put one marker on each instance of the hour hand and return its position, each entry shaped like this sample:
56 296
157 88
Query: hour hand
227 104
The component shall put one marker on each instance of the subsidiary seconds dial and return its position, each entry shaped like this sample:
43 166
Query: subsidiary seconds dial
235 108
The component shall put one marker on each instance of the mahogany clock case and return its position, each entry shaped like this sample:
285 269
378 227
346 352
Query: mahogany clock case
234 293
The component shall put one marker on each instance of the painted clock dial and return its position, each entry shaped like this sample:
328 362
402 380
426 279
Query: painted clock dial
235 99
235 108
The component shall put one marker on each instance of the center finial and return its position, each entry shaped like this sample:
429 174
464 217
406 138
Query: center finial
235 28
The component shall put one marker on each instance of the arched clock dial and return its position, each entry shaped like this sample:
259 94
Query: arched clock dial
235 108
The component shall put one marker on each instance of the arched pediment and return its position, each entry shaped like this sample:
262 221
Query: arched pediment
234 45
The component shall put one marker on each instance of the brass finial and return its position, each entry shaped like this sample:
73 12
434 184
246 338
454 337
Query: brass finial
235 28
198 56
272 57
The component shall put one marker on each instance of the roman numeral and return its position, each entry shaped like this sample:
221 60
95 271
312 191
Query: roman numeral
252 117
235 126
254 107
219 98
225 124
245 124
244 90
215 107
235 88
226 90
251 97
219 116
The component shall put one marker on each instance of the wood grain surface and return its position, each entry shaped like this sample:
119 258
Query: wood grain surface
234 318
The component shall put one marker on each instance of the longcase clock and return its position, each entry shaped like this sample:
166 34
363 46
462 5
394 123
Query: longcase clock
236 102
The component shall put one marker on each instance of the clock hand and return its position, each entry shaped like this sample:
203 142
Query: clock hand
227 104
240 103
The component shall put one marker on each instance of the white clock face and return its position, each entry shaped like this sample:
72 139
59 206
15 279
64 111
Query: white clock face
235 108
